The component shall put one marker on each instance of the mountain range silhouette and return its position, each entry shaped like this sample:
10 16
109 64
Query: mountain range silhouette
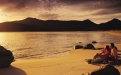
33 24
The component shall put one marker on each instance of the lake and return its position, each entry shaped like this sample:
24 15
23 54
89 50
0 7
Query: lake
50 44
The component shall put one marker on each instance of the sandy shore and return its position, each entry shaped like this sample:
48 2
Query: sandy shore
72 64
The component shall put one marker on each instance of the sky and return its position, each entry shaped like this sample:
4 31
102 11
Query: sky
98 11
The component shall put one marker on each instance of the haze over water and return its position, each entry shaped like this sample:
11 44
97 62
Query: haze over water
50 44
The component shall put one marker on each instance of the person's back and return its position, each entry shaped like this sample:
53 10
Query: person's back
114 53
113 50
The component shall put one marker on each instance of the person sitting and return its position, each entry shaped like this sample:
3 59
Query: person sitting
102 57
112 44
104 54
114 54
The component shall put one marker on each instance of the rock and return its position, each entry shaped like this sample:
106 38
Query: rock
78 46
94 42
6 57
89 46
80 42
106 70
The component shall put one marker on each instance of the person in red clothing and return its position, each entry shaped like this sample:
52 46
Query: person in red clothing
104 54
102 57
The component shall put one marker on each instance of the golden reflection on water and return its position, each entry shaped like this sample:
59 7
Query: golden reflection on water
12 40
2 38
44 43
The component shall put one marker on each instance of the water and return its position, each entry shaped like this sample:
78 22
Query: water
50 44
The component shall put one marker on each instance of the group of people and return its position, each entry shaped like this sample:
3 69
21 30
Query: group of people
109 53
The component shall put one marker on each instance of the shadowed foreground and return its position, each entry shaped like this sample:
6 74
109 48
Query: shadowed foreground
12 71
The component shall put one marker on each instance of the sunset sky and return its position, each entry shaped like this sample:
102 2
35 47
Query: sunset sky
97 11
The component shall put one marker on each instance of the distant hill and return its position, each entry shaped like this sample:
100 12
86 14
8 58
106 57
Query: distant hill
33 24
113 24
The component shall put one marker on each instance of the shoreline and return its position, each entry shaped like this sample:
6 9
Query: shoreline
73 63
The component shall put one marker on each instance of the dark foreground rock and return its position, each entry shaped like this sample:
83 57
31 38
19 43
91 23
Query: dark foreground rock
6 57
94 42
106 70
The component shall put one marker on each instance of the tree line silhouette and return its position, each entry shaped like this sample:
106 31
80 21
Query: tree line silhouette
33 24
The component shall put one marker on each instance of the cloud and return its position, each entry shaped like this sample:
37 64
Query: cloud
25 5
108 9
50 4
16 3
48 16
60 9
74 1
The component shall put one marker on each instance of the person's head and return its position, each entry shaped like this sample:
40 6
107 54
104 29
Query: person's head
107 47
112 45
